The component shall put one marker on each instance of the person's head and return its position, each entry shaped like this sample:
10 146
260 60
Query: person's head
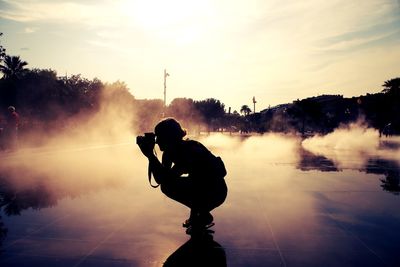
11 109
168 133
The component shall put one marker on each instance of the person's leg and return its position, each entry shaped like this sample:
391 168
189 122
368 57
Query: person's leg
179 189
206 199
182 191
212 196
201 199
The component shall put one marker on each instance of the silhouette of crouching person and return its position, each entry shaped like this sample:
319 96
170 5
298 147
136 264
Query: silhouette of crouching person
188 173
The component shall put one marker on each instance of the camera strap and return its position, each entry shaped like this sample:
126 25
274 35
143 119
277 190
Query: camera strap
149 173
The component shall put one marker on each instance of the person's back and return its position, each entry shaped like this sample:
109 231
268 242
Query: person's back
194 159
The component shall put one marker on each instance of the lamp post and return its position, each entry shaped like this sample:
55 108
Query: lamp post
254 104
165 87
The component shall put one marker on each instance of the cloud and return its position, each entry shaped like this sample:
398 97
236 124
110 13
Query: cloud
57 11
319 27
31 29
105 44
373 35
322 26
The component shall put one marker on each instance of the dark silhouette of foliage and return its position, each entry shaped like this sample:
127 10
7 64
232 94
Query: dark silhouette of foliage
2 50
12 67
45 101
245 109
210 108
306 112
392 86
211 111
232 122
149 112
183 109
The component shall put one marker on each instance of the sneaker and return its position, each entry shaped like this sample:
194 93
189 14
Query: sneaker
199 220
187 223
190 220
206 219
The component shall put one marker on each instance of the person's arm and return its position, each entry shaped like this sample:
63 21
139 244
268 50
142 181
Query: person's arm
161 171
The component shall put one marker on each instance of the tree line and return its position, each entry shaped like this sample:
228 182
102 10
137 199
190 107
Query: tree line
47 101
50 102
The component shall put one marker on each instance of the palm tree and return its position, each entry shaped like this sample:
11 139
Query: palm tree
245 110
392 86
12 67
2 50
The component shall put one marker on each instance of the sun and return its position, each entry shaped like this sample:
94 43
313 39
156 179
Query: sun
177 17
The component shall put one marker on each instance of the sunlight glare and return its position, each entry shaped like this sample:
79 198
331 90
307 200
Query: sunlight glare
158 14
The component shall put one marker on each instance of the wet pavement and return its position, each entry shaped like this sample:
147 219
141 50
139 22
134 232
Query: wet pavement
286 206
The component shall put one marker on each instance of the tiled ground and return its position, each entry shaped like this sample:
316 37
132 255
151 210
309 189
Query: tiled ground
275 215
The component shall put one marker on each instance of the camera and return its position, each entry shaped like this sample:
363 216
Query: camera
149 138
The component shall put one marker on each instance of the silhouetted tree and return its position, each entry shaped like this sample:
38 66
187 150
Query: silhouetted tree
211 112
392 86
183 109
12 67
2 50
232 122
148 113
245 109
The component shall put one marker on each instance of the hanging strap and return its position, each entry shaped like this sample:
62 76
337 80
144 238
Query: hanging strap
149 175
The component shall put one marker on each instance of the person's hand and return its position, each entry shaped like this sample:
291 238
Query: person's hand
147 148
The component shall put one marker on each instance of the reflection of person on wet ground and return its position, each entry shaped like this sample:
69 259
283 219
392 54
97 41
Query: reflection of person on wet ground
188 173
198 252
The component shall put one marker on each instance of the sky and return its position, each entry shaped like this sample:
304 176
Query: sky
275 50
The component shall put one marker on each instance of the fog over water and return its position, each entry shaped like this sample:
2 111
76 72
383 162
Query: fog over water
351 146
107 156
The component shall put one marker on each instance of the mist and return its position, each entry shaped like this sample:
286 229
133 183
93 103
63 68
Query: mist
87 152
267 148
98 152
350 146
